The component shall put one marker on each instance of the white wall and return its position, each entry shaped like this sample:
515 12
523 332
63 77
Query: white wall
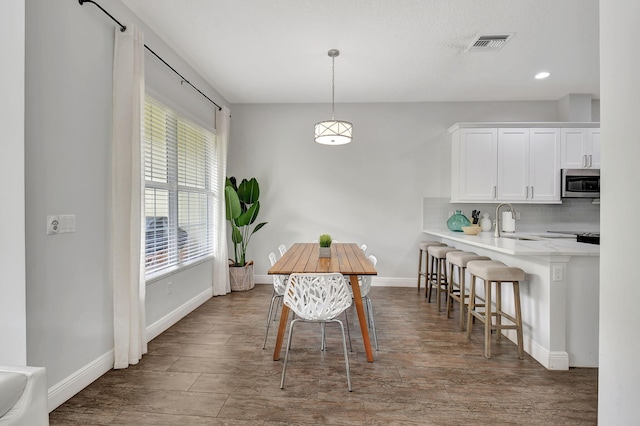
13 327
370 191
69 60
619 374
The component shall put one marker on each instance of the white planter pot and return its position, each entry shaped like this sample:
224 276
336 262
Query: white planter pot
325 252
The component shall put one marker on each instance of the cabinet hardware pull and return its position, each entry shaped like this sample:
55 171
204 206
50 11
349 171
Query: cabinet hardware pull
590 160
584 160
494 191
532 192
527 193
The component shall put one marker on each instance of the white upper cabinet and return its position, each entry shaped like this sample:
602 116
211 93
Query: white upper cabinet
514 164
476 164
544 164
594 138
580 149
529 164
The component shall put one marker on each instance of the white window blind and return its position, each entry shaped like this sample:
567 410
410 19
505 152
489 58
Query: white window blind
179 171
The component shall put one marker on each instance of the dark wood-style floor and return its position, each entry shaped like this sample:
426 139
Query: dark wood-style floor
210 369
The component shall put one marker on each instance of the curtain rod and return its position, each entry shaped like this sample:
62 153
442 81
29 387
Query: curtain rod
123 28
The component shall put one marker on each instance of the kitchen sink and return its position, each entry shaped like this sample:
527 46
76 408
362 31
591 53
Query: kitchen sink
521 237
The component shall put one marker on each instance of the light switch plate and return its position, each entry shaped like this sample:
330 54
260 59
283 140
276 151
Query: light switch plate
67 223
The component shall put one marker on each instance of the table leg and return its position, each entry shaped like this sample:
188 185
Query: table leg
284 316
357 299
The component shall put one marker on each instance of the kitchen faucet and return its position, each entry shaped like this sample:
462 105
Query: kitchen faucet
496 233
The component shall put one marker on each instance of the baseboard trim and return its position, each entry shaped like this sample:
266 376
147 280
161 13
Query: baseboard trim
551 360
163 324
393 282
71 385
375 281
74 383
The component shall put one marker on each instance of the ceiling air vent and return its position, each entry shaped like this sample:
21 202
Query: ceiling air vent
489 42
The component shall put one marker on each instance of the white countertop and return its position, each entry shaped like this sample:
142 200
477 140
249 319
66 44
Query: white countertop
548 246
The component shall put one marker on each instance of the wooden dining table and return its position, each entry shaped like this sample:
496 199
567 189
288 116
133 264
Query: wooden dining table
346 258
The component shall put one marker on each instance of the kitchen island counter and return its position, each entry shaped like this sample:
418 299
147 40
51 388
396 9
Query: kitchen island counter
541 245
560 293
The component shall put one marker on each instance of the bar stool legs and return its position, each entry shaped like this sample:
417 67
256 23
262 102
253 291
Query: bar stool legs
498 273
457 290
516 302
422 250
439 253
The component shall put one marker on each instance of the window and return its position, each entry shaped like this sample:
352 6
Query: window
179 171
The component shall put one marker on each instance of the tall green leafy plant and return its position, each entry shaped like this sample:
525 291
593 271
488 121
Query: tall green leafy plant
242 207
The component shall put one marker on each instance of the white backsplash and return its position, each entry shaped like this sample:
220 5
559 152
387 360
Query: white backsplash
573 214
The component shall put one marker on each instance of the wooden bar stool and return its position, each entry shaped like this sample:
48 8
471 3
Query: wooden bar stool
492 271
422 247
439 275
456 290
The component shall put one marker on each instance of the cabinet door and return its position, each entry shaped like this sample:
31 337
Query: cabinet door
544 165
478 164
574 147
594 145
513 164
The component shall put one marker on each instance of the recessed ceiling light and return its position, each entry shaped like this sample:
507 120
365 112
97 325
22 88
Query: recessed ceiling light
542 75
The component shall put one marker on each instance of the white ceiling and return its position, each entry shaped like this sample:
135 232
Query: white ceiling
275 51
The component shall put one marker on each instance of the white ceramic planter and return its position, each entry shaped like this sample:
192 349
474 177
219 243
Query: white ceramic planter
325 252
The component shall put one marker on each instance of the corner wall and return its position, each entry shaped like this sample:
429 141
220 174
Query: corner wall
68 95
619 374
13 326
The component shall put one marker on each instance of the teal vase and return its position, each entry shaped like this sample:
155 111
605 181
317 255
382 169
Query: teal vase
457 221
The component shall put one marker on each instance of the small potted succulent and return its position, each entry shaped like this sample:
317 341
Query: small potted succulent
325 245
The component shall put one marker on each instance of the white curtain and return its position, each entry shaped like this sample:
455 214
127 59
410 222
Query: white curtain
127 189
221 284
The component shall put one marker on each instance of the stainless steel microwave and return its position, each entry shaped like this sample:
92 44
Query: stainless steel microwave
581 183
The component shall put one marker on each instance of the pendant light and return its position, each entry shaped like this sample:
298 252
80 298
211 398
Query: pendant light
333 132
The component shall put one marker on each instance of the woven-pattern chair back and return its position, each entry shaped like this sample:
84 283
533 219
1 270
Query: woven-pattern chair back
282 249
317 297
278 280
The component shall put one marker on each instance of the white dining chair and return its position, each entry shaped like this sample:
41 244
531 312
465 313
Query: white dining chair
317 298
282 249
279 285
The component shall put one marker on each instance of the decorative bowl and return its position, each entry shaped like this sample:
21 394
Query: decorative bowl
471 230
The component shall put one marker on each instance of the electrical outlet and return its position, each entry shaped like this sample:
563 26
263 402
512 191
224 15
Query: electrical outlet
557 274
53 225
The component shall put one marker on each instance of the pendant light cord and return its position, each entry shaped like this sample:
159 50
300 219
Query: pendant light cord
333 87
